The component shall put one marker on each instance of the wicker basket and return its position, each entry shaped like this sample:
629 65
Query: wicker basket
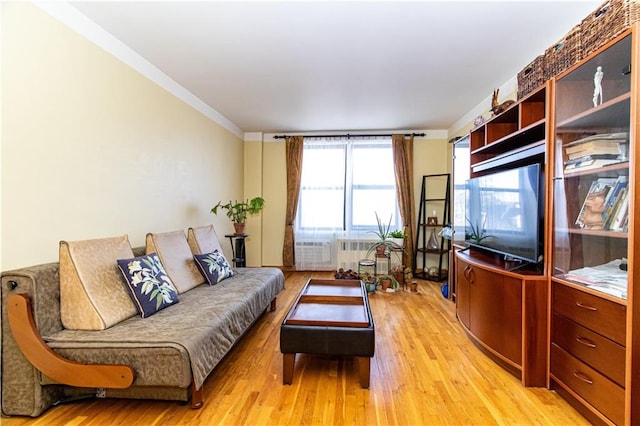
607 21
531 77
566 52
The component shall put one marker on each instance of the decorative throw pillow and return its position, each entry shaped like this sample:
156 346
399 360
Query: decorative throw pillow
149 285
213 266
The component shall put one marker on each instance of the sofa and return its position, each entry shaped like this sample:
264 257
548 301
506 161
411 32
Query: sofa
77 328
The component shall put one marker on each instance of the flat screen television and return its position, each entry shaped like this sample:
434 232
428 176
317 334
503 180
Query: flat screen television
505 213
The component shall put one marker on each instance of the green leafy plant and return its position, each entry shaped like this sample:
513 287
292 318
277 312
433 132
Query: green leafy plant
238 211
477 232
394 282
384 236
396 234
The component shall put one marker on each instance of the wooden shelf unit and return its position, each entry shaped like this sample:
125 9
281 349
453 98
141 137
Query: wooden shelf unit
595 335
519 131
504 310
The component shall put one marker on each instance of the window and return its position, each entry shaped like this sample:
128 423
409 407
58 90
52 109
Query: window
345 182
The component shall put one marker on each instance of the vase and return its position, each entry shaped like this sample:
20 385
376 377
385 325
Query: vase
433 243
239 228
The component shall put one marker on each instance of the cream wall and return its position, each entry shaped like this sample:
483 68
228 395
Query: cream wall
91 148
274 184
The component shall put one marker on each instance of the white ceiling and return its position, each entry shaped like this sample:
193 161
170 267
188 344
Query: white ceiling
299 66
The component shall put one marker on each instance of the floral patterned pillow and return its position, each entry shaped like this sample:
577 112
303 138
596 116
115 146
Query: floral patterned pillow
214 266
149 285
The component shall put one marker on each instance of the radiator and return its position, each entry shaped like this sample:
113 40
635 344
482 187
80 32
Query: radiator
313 252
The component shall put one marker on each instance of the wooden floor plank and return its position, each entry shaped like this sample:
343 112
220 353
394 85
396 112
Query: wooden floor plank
425 372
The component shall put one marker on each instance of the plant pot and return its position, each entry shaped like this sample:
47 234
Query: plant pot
385 283
239 228
398 241
371 287
414 287
380 250
399 276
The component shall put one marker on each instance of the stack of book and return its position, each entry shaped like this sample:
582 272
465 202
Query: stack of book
606 205
596 151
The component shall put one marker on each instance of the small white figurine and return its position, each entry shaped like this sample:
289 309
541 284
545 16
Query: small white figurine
597 86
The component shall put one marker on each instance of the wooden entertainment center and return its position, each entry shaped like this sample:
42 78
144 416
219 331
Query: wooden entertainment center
571 322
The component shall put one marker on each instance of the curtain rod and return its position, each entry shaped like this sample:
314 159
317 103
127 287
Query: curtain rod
349 135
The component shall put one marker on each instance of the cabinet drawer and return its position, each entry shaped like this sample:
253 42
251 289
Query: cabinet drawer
603 354
606 396
602 316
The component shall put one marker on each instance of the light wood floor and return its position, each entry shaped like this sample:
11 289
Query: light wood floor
425 372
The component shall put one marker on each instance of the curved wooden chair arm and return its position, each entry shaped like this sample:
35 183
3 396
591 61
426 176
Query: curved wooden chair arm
53 365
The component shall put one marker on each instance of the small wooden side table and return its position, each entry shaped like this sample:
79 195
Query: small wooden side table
238 249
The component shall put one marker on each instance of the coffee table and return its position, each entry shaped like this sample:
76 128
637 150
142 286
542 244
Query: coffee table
329 317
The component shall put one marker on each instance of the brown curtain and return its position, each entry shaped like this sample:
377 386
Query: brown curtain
403 164
294 173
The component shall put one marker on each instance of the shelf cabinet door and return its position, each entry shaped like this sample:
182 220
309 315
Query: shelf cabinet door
497 315
463 292
489 304
592 184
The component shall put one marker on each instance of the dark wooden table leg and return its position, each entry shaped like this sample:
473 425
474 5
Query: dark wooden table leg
288 361
364 370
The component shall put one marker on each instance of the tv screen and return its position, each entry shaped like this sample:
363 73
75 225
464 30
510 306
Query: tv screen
504 212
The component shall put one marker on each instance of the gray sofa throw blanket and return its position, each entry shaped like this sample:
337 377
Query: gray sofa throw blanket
206 322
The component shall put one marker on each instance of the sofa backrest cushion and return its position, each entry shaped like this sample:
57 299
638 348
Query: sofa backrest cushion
92 293
203 239
174 253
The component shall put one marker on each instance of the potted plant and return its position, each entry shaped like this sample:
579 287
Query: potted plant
476 233
397 237
370 282
238 211
398 273
387 282
384 238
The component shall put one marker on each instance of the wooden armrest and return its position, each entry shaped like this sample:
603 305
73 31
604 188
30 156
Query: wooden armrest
60 369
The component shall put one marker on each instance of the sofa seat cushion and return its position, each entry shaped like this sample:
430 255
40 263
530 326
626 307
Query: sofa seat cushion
205 324
92 294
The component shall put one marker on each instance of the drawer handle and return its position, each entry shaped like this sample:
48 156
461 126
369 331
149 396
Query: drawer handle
585 342
583 377
587 307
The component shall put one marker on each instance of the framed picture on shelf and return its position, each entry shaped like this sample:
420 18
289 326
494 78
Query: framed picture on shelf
432 220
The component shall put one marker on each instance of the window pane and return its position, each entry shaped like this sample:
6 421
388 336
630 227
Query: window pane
321 208
323 167
373 165
368 202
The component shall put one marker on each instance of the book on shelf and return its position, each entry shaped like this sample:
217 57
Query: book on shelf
594 204
589 165
614 202
615 150
601 139
622 211
589 157
608 143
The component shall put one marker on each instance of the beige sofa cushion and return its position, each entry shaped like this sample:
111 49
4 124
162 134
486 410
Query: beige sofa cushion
92 294
203 240
177 259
